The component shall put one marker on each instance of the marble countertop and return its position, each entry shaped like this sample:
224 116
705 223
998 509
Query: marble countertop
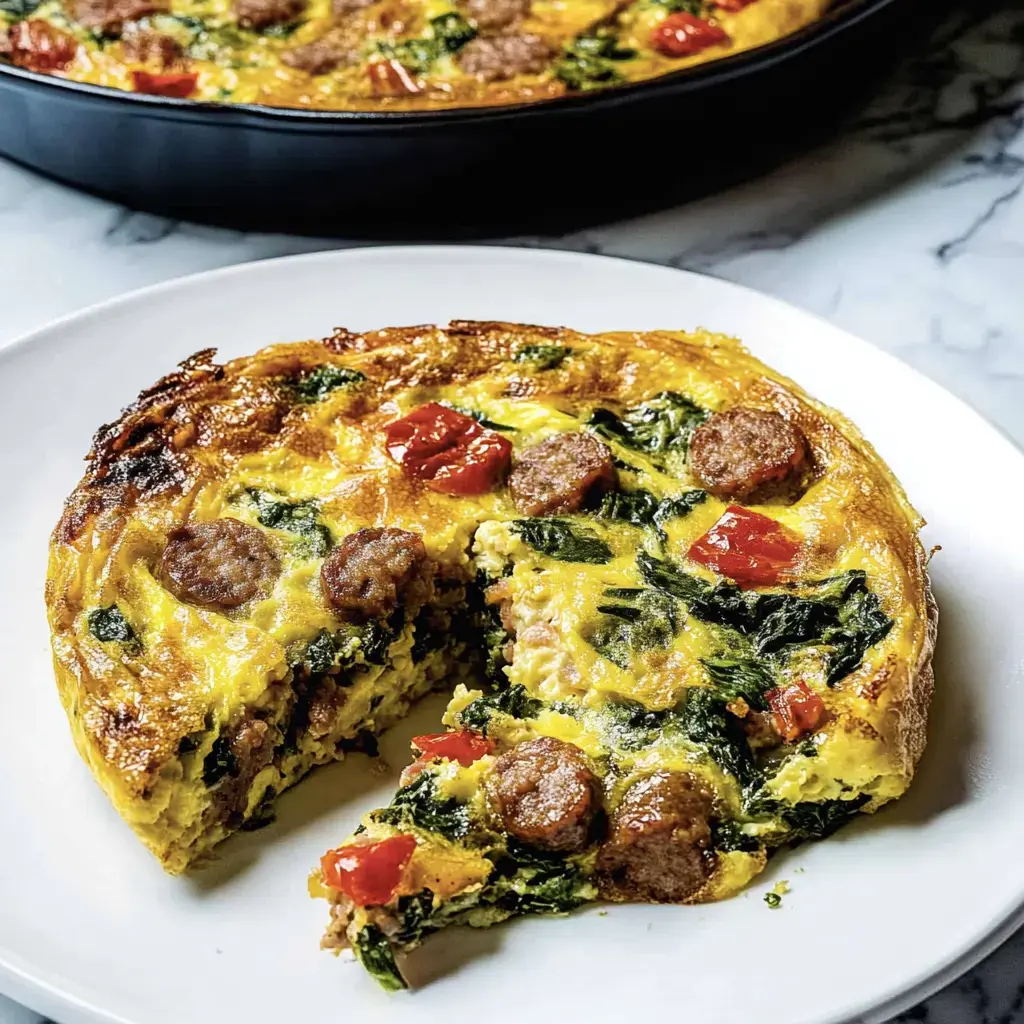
907 229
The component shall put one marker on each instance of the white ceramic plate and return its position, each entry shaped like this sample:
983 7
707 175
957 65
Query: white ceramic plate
92 930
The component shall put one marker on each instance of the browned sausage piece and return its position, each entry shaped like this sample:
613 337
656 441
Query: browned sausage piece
502 57
494 15
544 794
218 564
143 47
745 453
108 16
561 474
371 569
343 7
260 14
658 842
321 55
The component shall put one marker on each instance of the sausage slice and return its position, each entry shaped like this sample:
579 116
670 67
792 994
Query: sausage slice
261 14
544 794
494 15
743 454
498 58
367 574
109 16
218 564
561 474
144 47
659 842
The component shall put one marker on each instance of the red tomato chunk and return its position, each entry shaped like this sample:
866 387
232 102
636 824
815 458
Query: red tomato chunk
797 710
682 35
747 547
370 873
464 747
449 452
179 84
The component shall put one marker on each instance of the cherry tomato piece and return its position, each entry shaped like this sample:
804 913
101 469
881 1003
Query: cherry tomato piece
390 78
179 84
464 747
682 35
747 547
797 710
38 46
449 452
369 873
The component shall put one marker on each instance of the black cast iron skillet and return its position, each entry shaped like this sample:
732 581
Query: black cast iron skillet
455 173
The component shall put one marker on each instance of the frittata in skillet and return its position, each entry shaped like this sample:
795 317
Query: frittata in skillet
383 54
683 606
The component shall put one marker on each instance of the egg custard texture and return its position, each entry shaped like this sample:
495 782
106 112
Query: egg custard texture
384 54
683 606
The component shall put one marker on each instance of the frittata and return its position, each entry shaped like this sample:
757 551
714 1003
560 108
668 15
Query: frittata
383 54
683 606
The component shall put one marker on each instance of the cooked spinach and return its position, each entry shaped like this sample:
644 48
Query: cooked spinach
220 762
633 621
320 653
660 427
705 720
448 34
562 540
419 804
315 384
532 881
809 820
543 357
773 899
414 913
19 9
841 614
299 517
427 638
738 678
109 625
643 509
695 7
452 31
375 954
477 415
729 837
628 725
514 702
589 61
263 814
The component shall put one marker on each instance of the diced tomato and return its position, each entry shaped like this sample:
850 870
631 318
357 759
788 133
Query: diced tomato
390 78
747 547
179 84
797 710
682 35
733 5
369 873
449 452
37 45
464 747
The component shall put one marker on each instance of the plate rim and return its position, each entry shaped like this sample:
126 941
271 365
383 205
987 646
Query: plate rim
34 991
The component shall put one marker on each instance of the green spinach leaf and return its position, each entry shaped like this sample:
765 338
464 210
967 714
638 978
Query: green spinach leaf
452 31
109 625
633 621
589 62
375 954
736 678
219 763
660 427
514 702
562 540
420 804
543 357
480 417
315 384
707 723
728 837
299 517
19 9
643 509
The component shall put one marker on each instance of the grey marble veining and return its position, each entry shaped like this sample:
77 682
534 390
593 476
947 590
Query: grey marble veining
907 230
